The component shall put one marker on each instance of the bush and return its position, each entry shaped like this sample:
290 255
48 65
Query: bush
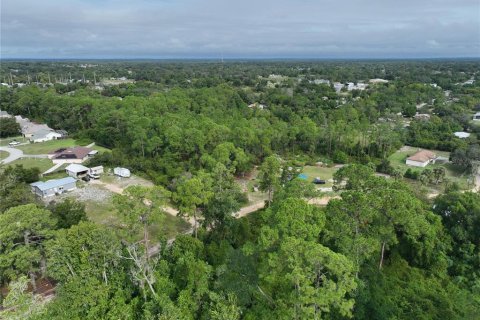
411 174
340 157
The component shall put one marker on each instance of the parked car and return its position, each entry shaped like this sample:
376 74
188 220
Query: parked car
93 175
14 143
318 181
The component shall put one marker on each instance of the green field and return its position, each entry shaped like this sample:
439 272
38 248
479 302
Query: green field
324 173
46 147
452 172
3 154
6 141
42 164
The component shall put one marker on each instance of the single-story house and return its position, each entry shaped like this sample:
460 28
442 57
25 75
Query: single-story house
76 170
421 159
476 116
43 135
71 155
29 129
53 187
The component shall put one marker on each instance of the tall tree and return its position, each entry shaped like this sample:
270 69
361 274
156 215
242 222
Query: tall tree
269 176
23 230
192 195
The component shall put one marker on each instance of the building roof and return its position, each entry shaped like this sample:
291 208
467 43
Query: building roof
76 168
72 153
422 156
32 128
42 133
462 134
50 184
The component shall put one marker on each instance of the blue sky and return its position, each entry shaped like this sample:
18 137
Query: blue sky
240 29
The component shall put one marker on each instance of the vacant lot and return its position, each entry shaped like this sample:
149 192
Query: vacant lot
42 164
98 200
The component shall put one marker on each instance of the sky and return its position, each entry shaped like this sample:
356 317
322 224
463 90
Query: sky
262 29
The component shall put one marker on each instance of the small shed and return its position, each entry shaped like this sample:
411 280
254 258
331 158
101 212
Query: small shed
53 187
76 170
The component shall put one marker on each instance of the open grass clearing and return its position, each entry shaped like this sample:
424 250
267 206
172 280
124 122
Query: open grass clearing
324 173
3 154
42 163
6 141
48 146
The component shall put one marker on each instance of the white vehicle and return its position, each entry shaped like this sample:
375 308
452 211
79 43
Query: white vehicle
121 172
14 143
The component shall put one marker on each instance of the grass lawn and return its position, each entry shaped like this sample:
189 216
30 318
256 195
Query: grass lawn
101 149
48 146
58 174
452 172
324 173
6 141
3 154
42 164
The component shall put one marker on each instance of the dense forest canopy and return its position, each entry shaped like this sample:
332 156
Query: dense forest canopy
380 249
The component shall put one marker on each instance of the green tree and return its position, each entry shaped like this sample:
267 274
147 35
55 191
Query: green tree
20 304
269 176
140 207
23 230
193 194
68 212
9 127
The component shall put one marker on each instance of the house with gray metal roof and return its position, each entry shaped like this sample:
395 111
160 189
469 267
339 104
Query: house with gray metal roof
48 188
43 135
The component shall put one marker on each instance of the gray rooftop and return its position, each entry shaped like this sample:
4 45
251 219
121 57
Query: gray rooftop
41 133
50 184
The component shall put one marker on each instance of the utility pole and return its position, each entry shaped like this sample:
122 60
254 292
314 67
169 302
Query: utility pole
94 79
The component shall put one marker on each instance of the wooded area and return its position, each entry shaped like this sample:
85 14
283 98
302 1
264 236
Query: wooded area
380 249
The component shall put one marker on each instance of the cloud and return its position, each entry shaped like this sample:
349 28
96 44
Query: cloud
209 28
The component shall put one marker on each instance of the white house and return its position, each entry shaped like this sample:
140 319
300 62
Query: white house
421 159
43 135
476 116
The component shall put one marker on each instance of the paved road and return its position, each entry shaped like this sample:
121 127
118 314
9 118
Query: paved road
14 154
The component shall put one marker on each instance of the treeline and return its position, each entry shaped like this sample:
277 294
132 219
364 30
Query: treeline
171 132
